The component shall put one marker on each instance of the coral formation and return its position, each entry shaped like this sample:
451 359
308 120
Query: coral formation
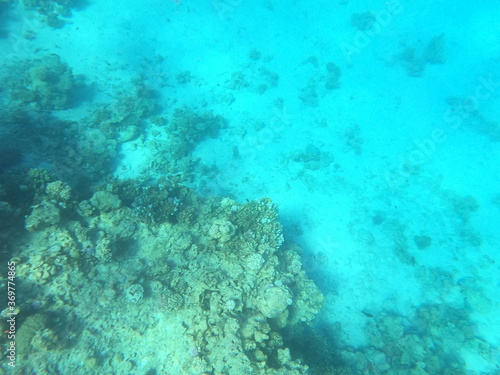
46 83
254 76
221 230
190 128
134 293
274 301
320 79
422 242
333 76
429 342
122 268
364 21
52 11
312 158
415 61
220 279
43 215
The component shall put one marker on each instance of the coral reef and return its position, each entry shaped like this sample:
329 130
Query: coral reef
46 83
312 158
255 76
191 128
364 21
214 288
319 80
89 145
52 11
415 61
429 342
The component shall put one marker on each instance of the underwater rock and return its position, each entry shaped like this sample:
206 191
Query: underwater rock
174 302
221 230
191 128
52 11
58 191
47 83
332 80
274 301
105 201
43 215
39 270
364 21
255 262
435 51
156 286
104 248
309 96
422 242
180 240
27 331
85 208
134 293
312 157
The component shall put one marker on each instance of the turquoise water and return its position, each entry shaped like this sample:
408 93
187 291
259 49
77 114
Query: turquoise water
373 126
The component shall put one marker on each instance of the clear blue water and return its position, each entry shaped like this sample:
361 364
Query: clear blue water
374 127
